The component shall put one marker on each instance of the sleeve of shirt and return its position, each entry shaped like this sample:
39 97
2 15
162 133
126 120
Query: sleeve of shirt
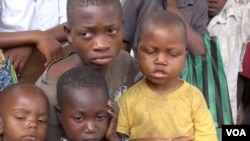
200 17
62 11
203 122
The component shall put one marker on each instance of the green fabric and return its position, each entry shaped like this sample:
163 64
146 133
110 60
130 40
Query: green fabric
13 74
207 73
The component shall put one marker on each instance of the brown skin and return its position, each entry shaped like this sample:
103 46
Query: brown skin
161 57
96 35
19 59
215 6
87 114
46 44
45 41
20 120
58 32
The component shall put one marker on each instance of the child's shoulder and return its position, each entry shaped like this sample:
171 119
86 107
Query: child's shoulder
191 87
135 89
61 65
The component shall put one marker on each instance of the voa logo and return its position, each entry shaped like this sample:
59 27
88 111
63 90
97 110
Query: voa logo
236 132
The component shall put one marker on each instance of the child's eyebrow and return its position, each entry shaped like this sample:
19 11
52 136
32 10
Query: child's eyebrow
21 110
90 24
25 111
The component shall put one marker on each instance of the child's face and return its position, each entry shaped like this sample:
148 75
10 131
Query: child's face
25 117
161 53
96 34
84 116
215 6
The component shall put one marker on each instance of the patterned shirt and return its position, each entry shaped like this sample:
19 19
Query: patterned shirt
7 72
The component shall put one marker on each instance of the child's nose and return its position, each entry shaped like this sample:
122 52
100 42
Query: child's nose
32 124
101 43
161 59
90 127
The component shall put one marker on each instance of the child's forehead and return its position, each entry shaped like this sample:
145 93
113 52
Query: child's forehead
25 103
94 12
86 95
85 99
27 94
87 91
156 28
23 95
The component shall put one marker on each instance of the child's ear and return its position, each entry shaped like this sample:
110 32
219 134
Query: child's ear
67 32
58 113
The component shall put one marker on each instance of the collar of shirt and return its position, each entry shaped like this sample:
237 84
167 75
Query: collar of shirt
181 3
229 11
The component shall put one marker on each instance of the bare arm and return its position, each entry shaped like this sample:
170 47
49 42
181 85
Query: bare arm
49 46
195 41
58 33
15 39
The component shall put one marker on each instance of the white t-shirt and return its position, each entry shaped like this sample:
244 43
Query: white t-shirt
20 15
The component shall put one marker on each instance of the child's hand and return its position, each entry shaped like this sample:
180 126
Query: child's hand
113 111
48 46
19 59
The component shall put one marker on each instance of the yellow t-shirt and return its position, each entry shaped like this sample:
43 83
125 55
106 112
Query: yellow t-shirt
184 112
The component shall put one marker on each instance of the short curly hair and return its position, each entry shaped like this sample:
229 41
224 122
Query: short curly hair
78 78
72 4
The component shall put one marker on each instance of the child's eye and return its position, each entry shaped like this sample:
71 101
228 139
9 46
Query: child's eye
149 52
20 118
85 34
101 117
112 31
78 118
42 122
173 54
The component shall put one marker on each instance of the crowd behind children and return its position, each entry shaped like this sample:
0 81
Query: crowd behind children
97 90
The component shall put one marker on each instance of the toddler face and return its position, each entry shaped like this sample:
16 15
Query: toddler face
84 116
25 118
162 53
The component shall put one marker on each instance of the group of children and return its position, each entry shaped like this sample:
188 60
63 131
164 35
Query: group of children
84 109
98 92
